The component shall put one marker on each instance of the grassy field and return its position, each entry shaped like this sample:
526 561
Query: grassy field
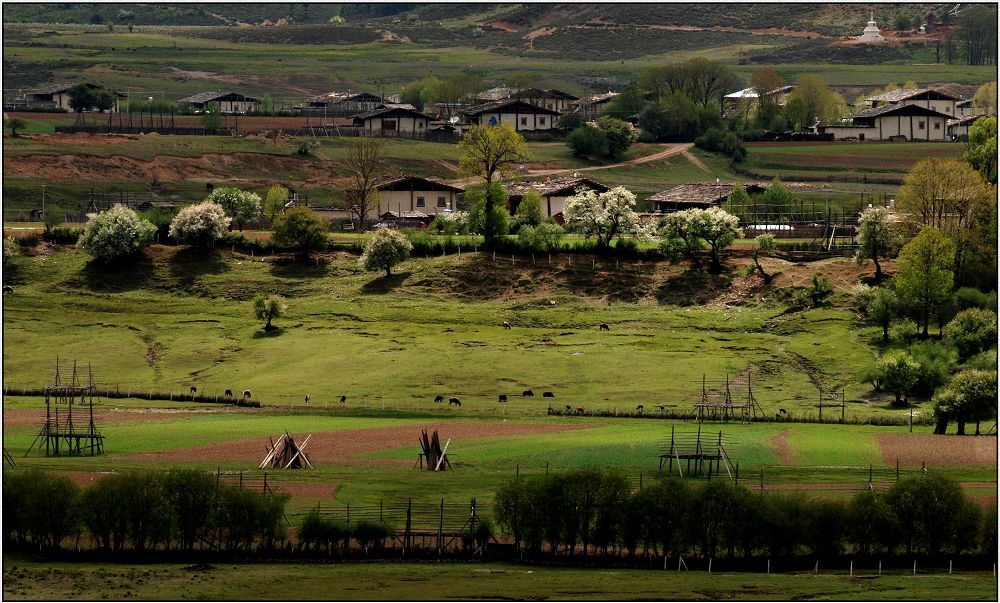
24 578
845 159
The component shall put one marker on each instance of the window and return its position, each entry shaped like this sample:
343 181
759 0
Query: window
420 124
420 201
937 125
947 109
524 121
920 125
541 121
441 202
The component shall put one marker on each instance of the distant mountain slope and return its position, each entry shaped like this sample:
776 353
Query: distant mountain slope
828 19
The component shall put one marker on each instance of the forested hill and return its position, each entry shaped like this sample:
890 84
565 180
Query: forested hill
828 19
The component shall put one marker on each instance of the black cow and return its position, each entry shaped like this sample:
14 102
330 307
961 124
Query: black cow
8 289
527 393
579 410
569 408
247 394
439 398
548 395
783 411
454 401
343 399
307 398
194 389
605 327
638 409
506 324
503 397
229 393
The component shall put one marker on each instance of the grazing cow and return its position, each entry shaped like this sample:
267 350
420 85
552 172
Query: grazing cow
506 324
605 327
247 394
569 408
638 409
8 289
307 398
454 401
783 411
548 395
527 393
343 399
194 390
579 410
777 415
229 393
439 398
503 397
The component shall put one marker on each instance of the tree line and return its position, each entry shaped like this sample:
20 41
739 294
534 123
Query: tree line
594 512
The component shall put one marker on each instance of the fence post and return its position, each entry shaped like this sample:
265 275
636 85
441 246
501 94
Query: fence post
440 537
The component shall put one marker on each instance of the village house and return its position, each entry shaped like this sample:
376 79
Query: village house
393 120
743 101
929 98
417 194
229 102
56 97
554 193
893 122
348 102
963 108
592 106
958 129
520 115
700 195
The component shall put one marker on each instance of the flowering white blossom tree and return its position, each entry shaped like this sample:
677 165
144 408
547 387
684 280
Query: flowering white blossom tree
116 233
604 216
242 206
385 249
685 232
200 225
10 250
874 237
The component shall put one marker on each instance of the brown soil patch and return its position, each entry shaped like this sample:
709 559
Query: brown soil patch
842 272
21 417
912 449
340 447
781 447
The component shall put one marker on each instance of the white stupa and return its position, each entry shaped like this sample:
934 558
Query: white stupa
871 33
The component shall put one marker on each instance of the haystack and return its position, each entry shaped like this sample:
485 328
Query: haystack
286 454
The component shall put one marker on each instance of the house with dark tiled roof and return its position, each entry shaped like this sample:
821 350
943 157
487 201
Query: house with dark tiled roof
892 122
520 115
56 96
229 102
929 98
699 195
393 120
554 193
356 102
958 129
418 194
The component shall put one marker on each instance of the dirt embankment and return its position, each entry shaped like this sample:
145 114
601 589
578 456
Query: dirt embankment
912 449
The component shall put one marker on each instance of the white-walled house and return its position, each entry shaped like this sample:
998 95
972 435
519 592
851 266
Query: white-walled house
518 114
393 120
929 98
417 194
229 102
554 193
57 96
893 122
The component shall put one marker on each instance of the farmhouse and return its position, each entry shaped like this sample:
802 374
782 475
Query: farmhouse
357 102
893 122
393 120
958 129
416 194
592 106
519 114
963 108
553 99
700 195
929 98
56 97
743 100
554 193
229 102
405 219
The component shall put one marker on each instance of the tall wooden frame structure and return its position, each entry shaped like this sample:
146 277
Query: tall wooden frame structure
71 430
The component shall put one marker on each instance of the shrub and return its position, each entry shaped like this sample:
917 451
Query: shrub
385 249
821 289
899 372
200 225
529 210
619 134
267 308
904 331
11 249
972 331
862 295
116 234
968 297
936 363
301 230
242 206
368 533
586 141
543 238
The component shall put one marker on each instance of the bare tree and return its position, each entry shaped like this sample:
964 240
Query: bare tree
365 165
